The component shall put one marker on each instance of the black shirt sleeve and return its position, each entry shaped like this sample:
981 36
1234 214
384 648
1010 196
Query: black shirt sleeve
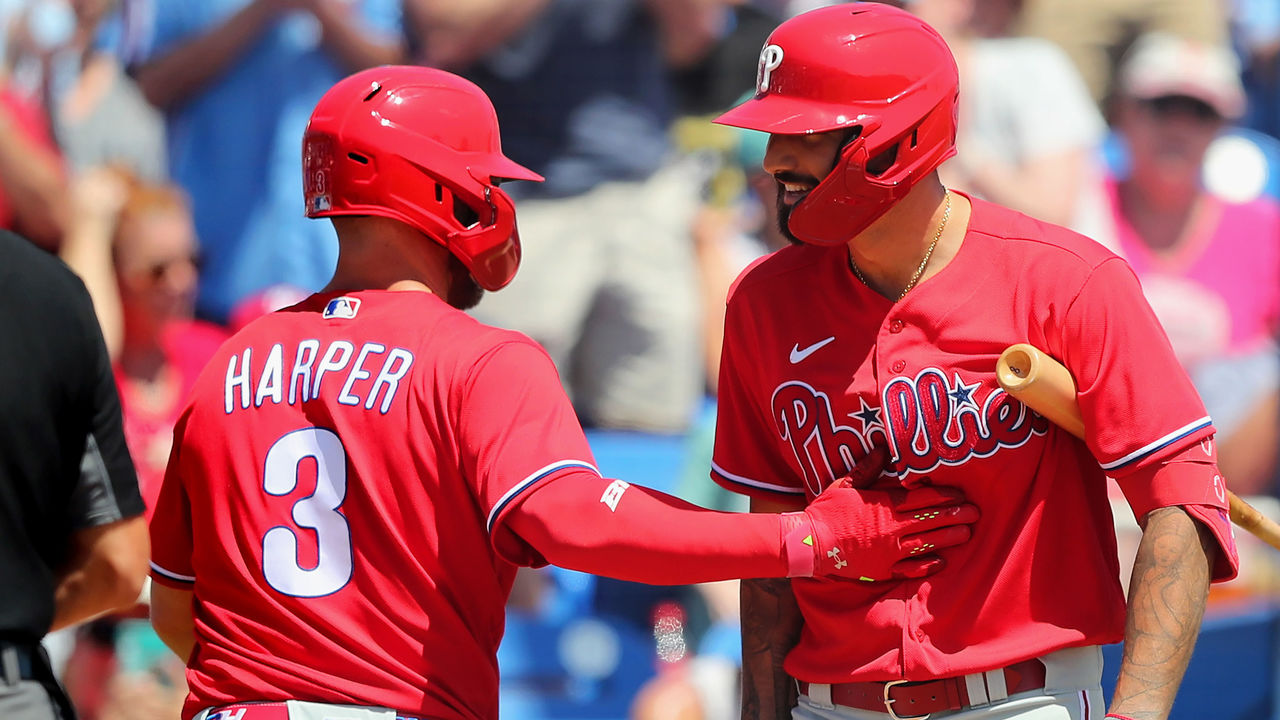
107 489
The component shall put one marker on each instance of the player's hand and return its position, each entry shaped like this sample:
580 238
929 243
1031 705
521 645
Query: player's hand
867 470
871 535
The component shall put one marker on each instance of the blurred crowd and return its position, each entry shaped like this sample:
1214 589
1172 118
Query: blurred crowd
155 146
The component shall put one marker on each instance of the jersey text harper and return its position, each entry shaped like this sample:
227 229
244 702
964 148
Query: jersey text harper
302 374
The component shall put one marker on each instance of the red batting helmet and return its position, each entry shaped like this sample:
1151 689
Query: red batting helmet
863 65
420 146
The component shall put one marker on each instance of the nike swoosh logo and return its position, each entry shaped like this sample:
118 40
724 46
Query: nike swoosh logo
797 354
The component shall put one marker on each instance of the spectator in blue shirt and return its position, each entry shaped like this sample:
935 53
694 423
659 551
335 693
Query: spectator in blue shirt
237 80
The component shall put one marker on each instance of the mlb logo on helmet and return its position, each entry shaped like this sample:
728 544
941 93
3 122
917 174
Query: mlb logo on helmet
321 203
343 308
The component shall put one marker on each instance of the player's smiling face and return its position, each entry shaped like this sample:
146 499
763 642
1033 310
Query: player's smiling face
798 163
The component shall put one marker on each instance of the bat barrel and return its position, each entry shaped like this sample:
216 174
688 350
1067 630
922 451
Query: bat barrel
1042 384
1017 367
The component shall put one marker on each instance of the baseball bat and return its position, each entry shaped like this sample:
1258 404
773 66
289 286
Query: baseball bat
1046 386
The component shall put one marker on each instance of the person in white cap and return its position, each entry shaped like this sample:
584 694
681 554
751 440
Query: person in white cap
1209 260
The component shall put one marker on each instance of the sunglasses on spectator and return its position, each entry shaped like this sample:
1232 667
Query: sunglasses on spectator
157 270
1183 105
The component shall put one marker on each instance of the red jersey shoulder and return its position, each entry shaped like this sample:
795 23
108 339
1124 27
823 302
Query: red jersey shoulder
1043 264
786 268
1038 240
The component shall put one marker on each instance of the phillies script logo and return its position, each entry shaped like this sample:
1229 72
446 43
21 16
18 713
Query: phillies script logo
824 449
927 420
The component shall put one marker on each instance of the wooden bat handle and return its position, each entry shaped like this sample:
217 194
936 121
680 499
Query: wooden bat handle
1046 386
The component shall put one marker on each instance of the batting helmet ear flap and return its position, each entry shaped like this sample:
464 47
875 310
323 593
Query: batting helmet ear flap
483 235
852 197
912 161
838 196
491 252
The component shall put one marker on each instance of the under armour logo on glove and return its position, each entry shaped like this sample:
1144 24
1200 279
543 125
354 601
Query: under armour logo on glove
876 534
835 553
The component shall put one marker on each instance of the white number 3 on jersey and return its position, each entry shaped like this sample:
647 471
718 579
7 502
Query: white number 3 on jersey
318 511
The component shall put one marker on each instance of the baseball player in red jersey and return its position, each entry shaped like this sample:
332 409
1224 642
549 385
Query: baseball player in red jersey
880 328
356 478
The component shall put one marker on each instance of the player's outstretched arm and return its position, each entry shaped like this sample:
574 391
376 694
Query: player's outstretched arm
606 527
771 623
1167 596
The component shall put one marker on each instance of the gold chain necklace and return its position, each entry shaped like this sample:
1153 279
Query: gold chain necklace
915 278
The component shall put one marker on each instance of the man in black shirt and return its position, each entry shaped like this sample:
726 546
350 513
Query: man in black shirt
73 541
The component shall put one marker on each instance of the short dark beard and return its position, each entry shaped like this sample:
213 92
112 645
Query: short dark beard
784 215
464 292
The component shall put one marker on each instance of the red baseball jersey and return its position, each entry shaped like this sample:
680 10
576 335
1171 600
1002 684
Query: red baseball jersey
335 499
817 369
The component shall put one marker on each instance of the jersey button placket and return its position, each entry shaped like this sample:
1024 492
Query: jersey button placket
895 327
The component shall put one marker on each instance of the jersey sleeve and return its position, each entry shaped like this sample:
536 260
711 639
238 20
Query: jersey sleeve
1138 404
1143 419
1189 479
517 430
745 458
171 542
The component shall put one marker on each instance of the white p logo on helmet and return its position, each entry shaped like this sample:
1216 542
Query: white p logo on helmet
770 59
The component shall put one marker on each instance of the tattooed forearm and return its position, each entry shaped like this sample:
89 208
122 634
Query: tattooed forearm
1167 595
770 628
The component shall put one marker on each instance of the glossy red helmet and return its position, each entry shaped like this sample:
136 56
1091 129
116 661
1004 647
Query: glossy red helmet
420 146
861 65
